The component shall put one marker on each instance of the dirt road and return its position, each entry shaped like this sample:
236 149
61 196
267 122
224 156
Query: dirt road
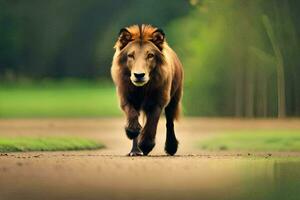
108 174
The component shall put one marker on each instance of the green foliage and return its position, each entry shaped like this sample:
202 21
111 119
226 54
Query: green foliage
58 99
197 45
71 38
15 144
230 61
255 140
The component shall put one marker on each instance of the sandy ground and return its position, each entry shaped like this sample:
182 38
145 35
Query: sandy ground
109 174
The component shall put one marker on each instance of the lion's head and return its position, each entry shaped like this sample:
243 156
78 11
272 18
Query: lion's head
140 51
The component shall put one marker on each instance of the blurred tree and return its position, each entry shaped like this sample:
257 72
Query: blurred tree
71 38
240 57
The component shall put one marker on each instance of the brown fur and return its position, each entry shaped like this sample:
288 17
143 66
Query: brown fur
160 89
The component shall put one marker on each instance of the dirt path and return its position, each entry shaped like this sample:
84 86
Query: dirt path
108 174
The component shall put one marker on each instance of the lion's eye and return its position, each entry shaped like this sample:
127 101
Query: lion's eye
130 56
150 55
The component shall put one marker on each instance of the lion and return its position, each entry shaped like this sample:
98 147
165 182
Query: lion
149 79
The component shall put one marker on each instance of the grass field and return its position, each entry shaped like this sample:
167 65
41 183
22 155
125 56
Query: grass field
256 140
12 144
58 99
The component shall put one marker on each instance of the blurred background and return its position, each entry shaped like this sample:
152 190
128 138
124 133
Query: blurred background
241 58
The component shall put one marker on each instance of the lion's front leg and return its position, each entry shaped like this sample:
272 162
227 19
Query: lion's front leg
147 140
133 126
132 129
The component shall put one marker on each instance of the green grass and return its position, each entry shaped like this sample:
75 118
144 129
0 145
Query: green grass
58 99
256 140
17 144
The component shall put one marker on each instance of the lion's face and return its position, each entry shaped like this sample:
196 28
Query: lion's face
142 49
141 60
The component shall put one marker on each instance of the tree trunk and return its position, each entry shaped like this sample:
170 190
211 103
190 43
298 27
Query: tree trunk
280 68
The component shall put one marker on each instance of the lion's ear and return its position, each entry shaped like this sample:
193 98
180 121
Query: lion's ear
124 37
158 38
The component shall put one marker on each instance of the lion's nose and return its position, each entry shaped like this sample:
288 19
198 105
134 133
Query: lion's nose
139 75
